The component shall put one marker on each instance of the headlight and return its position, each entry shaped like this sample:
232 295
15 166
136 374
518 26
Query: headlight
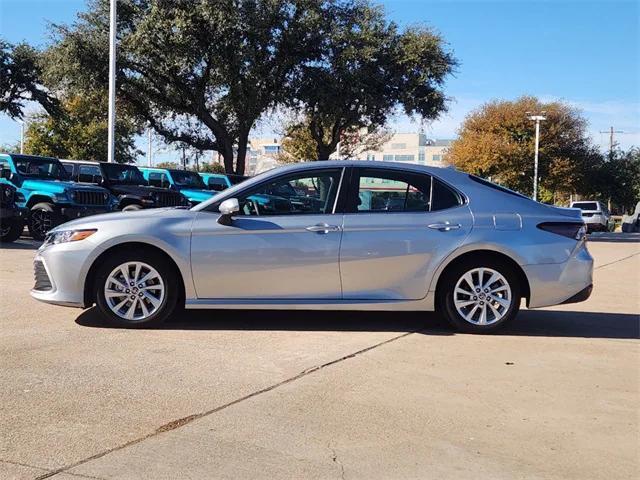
65 236
61 197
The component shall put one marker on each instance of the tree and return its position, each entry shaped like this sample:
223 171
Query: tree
20 80
79 130
298 144
367 69
497 141
211 167
615 178
170 165
200 73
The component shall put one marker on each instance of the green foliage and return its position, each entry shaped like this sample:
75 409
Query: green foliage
211 167
170 165
80 131
615 178
497 141
200 73
367 69
10 147
20 80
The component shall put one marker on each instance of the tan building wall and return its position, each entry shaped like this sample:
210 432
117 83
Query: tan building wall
410 148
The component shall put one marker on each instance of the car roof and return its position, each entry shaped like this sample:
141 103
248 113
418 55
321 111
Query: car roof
24 155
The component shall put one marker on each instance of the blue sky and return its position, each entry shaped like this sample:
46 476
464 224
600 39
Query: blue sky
583 52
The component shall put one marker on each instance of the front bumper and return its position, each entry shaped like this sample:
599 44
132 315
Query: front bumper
60 272
556 283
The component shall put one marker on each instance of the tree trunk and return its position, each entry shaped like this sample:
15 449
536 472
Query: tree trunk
227 155
243 139
323 152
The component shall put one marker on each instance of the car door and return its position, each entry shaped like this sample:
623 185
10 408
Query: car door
283 244
397 228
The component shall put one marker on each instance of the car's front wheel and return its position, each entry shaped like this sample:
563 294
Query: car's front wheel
480 296
136 288
42 218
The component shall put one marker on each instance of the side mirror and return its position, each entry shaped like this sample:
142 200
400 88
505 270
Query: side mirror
227 209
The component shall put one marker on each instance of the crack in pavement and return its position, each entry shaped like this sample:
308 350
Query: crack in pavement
334 458
48 470
616 261
174 424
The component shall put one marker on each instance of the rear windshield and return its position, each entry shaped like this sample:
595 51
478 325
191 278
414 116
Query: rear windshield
585 205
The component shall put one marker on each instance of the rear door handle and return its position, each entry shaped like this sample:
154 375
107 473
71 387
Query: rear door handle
445 227
323 228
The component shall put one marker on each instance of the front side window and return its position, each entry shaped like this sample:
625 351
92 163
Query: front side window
89 174
123 174
40 167
186 178
304 193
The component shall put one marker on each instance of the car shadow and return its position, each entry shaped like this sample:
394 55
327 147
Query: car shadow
616 237
23 243
547 323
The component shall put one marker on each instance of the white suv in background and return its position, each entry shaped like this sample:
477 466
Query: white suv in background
594 214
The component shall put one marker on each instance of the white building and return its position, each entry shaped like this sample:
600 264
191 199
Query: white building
262 154
410 148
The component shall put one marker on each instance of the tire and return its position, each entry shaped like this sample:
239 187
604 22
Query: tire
162 286
503 304
132 207
10 230
42 218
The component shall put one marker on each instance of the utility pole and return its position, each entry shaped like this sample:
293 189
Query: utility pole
149 147
112 83
536 118
611 131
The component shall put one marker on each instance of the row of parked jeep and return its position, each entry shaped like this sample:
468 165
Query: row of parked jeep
43 192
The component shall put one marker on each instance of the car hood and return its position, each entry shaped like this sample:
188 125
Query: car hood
57 186
197 194
126 218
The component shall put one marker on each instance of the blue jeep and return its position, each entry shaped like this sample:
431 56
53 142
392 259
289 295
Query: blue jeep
44 188
220 181
186 182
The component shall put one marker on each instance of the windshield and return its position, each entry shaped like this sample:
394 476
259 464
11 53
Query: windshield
123 174
185 178
585 205
40 167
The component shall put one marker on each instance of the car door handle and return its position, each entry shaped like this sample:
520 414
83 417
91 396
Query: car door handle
445 227
323 228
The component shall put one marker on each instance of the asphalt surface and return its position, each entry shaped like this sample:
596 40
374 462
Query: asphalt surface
228 394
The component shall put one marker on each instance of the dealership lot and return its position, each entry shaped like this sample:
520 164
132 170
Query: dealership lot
224 394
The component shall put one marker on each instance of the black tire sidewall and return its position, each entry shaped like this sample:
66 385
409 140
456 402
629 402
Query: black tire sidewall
42 207
447 296
15 230
166 271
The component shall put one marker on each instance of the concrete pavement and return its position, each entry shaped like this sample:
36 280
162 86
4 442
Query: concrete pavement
324 394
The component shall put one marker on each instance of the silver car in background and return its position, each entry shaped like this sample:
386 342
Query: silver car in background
343 235
595 215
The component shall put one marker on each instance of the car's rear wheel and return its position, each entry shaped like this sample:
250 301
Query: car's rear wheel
42 218
137 288
480 296
10 230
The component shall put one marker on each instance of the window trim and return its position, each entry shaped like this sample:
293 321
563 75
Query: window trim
337 204
355 176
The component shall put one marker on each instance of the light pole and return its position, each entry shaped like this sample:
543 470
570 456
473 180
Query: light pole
149 148
21 122
536 118
112 83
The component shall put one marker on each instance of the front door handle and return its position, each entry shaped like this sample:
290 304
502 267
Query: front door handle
445 227
323 228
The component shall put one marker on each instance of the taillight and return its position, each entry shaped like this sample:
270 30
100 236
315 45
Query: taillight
573 230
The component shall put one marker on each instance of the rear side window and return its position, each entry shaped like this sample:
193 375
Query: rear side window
489 184
443 196
69 168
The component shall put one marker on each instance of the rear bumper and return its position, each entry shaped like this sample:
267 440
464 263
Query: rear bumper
557 283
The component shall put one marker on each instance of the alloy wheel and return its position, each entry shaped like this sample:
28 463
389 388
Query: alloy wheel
41 222
134 291
482 296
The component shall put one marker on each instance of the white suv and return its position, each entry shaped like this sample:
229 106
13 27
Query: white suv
594 214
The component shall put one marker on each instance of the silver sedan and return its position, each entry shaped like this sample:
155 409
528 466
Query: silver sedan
347 235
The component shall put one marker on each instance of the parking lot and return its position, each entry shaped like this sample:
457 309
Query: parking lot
226 394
